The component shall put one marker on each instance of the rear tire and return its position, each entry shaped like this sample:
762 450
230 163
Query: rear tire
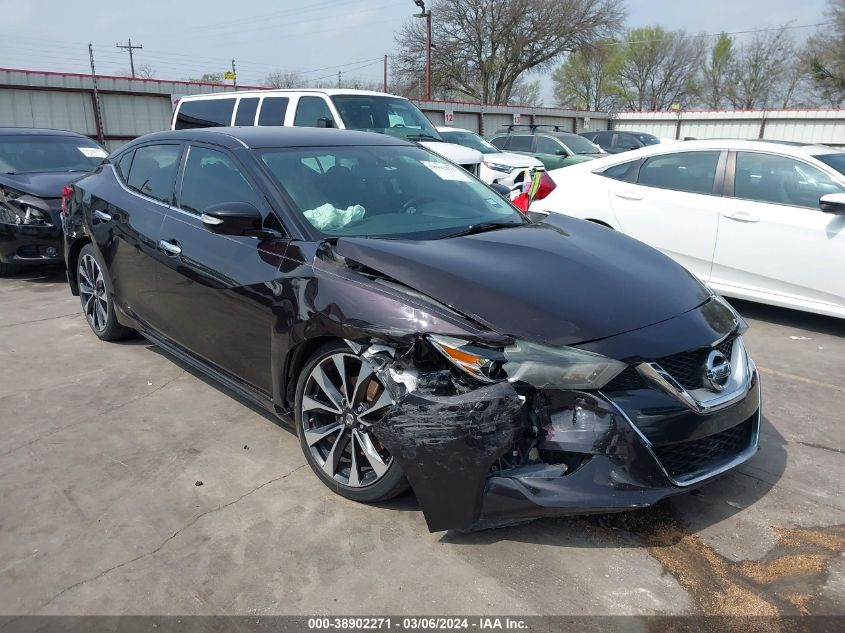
338 397
95 294
7 270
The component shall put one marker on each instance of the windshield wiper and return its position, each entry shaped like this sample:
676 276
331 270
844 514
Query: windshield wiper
423 137
483 227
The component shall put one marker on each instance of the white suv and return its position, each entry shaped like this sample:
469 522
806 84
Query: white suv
344 109
505 168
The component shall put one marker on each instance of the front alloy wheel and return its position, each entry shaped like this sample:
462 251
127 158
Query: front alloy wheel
339 398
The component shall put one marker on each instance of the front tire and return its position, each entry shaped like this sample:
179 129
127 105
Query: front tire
338 398
95 294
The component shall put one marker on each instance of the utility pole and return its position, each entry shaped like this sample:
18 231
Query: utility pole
339 79
427 15
98 114
385 73
129 47
234 75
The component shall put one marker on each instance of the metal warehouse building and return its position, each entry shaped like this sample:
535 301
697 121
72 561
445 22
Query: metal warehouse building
131 107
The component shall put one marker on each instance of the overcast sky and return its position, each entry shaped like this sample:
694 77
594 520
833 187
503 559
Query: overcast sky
185 38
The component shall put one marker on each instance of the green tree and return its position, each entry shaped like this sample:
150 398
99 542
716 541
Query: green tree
824 57
587 80
716 74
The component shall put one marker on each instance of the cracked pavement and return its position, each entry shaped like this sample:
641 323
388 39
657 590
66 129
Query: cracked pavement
101 445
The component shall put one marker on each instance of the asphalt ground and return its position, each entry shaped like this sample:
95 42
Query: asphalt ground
101 447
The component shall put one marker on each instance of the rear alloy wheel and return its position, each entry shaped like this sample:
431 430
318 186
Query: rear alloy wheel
95 296
339 398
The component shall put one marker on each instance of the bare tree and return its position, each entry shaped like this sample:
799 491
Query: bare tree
587 79
279 79
757 77
483 47
716 73
659 68
527 93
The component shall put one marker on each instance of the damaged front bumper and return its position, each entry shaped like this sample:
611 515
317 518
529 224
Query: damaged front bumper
480 454
39 242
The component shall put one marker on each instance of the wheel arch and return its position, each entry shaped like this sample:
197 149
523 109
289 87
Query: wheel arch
295 361
72 260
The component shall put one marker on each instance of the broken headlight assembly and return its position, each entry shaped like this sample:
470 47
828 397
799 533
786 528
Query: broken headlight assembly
13 211
537 365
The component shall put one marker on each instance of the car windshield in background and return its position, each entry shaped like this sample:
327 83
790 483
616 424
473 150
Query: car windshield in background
30 154
579 145
647 139
387 115
473 141
837 161
385 191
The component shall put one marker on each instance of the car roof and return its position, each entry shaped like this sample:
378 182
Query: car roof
38 131
273 136
740 144
329 92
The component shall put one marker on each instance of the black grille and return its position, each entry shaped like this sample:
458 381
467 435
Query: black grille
628 380
699 456
687 368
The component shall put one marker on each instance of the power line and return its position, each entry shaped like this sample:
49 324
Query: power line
746 32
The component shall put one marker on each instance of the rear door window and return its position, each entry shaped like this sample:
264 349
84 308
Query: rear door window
310 110
246 111
153 171
520 143
273 110
205 113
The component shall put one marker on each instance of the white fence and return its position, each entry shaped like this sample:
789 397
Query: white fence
804 126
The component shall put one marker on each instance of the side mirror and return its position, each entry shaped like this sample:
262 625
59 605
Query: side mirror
325 121
502 190
232 218
562 152
833 203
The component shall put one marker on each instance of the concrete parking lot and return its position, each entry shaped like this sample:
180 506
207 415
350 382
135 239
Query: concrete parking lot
102 447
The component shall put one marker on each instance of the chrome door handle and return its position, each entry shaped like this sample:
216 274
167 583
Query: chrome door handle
102 216
169 247
742 216
628 195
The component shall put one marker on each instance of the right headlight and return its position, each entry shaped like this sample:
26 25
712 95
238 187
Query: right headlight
541 366
499 167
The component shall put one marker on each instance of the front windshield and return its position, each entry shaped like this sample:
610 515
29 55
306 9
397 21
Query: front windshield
31 154
579 145
468 139
386 115
835 160
384 191
647 139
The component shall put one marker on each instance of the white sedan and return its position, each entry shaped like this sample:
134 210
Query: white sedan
754 220
496 166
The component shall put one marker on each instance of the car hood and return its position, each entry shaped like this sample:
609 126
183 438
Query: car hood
40 185
512 160
456 153
561 283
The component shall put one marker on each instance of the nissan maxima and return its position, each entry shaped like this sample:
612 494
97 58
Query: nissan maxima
35 167
415 328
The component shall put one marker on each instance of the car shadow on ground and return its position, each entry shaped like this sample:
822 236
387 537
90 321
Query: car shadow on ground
790 318
40 274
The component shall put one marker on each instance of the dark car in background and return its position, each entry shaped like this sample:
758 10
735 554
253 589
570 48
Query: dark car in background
615 142
35 166
550 145
415 327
